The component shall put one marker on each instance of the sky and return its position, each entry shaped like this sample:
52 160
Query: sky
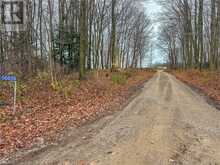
153 9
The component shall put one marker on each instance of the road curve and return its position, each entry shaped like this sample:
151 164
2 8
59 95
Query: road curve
166 124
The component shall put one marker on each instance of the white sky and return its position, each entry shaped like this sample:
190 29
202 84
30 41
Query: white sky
153 9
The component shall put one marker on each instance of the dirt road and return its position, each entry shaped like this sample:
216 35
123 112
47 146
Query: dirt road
167 123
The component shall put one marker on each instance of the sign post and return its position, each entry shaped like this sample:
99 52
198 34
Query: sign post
15 95
12 79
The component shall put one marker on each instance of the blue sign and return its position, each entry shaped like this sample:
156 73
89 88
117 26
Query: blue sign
11 78
7 78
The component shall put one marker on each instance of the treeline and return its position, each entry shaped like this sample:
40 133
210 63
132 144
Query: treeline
190 33
76 35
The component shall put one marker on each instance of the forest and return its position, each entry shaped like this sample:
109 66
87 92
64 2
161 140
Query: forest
76 35
79 63
190 33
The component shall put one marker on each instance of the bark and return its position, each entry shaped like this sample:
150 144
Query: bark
83 37
113 36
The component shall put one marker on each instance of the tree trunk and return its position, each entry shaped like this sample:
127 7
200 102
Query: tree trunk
212 42
51 41
83 37
200 33
113 36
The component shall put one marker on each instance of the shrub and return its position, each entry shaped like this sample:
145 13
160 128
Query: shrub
119 78
21 90
56 86
42 76
65 88
76 83
129 73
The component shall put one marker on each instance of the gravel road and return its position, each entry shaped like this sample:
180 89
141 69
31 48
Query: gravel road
166 124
